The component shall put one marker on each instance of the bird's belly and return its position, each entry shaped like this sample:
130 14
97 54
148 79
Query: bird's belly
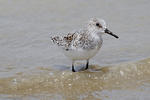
81 54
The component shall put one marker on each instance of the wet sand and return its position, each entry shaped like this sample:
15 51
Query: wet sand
83 85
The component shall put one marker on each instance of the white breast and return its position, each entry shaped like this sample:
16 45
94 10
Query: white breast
83 54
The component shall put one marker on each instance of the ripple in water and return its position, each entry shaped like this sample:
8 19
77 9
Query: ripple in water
82 85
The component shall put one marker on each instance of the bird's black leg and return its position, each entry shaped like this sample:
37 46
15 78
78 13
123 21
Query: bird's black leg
87 64
73 70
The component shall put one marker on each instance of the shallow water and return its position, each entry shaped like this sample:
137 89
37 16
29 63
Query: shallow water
127 80
34 69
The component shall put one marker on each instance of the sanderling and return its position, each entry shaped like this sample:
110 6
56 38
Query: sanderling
83 44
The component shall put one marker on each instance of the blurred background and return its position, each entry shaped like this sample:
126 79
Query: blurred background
31 67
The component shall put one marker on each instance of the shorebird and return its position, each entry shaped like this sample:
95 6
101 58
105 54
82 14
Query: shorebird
83 44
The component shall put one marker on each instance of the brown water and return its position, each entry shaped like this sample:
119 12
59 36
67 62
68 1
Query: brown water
127 81
31 68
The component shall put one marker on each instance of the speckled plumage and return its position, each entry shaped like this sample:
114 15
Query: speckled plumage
76 40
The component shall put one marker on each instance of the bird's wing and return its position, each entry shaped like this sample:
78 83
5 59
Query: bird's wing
74 41
65 41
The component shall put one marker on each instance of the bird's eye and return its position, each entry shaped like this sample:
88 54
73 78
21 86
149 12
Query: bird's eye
98 25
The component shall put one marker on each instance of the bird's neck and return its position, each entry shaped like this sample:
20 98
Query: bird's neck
94 32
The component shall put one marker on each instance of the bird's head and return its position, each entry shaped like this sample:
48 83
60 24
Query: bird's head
99 25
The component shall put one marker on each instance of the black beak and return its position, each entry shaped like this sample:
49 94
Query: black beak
110 33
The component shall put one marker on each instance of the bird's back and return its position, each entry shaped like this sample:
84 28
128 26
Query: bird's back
77 40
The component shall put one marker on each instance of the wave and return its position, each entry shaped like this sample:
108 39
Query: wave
65 83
